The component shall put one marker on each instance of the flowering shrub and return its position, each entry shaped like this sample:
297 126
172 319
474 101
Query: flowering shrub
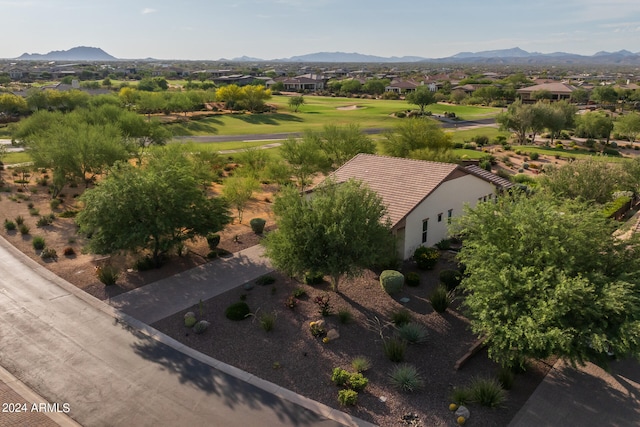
426 258
324 306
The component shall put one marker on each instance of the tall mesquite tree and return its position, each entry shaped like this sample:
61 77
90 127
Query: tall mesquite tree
545 276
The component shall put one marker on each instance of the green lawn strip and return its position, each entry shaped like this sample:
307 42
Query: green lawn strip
13 158
467 134
578 153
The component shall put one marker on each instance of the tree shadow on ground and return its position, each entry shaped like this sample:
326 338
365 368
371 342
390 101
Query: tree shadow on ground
267 119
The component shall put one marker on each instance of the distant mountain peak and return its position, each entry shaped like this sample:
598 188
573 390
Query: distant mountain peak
78 53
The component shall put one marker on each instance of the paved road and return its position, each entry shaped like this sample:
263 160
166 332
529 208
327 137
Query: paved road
68 347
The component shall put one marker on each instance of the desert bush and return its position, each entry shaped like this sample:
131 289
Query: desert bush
43 221
361 364
291 302
145 263
426 258
48 253
324 306
347 397
340 377
268 321
440 299
313 278
450 278
394 348
190 319
19 220
107 274
345 316
213 240
299 292
487 392
237 311
400 317
201 326
534 156
506 378
24 229
265 280
413 333
9 225
68 214
34 212
391 281
38 243
406 378
461 395
357 382
257 225
444 244
481 140
55 203
412 279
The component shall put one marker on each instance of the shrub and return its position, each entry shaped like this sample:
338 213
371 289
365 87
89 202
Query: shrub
345 316
299 292
444 244
313 278
406 378
291 302
391 281
34 212
401 114
347 397
506 378
426 258
610 152
201 326
450 278
237 311
190 320
400 317
265 280
19 220
55 203
357 382
9 225
145 263
38 243
68 214
481 140
440 299
48 253
525 166
412 279
324 306
267 321
24 229
43 221
257 225
340 377
461 396
108 275
361 364
487 392
394 348
534 156
213 240
413 333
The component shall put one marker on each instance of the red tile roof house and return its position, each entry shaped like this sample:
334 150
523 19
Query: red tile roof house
558 91
421 197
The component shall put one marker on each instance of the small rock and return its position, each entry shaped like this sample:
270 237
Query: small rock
462 411
404 300
248 286
333 334
382 399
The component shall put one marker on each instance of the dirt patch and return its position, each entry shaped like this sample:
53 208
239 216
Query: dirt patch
307 364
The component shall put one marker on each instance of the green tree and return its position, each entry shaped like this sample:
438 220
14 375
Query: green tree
579 96
11 104
338 231
421 97
254 97
295 102
488 94
375 86
545 277
521 119
594 124
590 180
237 191
629 125
304 158
341 143
351 86
421 138
230 95
155 208
604 95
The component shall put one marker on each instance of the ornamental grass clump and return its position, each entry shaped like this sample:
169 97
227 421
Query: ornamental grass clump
394 348
406 378
413 333
107 274
441 299
361 364
487 392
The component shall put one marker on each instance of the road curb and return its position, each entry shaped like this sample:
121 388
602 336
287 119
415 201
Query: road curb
160 337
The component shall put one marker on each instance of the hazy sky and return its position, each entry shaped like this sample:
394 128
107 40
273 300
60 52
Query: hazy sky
269 29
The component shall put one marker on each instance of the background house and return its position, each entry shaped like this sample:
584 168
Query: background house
421 197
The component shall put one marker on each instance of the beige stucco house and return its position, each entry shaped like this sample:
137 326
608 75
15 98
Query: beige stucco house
421 197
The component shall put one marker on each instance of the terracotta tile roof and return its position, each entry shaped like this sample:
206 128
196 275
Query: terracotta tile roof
551 87
402 183
496 180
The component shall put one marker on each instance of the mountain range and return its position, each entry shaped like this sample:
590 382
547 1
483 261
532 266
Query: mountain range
502 56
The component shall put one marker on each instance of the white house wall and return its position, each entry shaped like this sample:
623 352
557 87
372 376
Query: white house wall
453 194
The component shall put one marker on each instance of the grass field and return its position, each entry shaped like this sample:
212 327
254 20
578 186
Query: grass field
577 154
13 158
467 134
315 114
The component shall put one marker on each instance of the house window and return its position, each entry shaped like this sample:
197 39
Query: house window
449 215
425 227
439 217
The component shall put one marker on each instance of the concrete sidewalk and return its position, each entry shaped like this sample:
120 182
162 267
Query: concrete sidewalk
165 297
584 396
